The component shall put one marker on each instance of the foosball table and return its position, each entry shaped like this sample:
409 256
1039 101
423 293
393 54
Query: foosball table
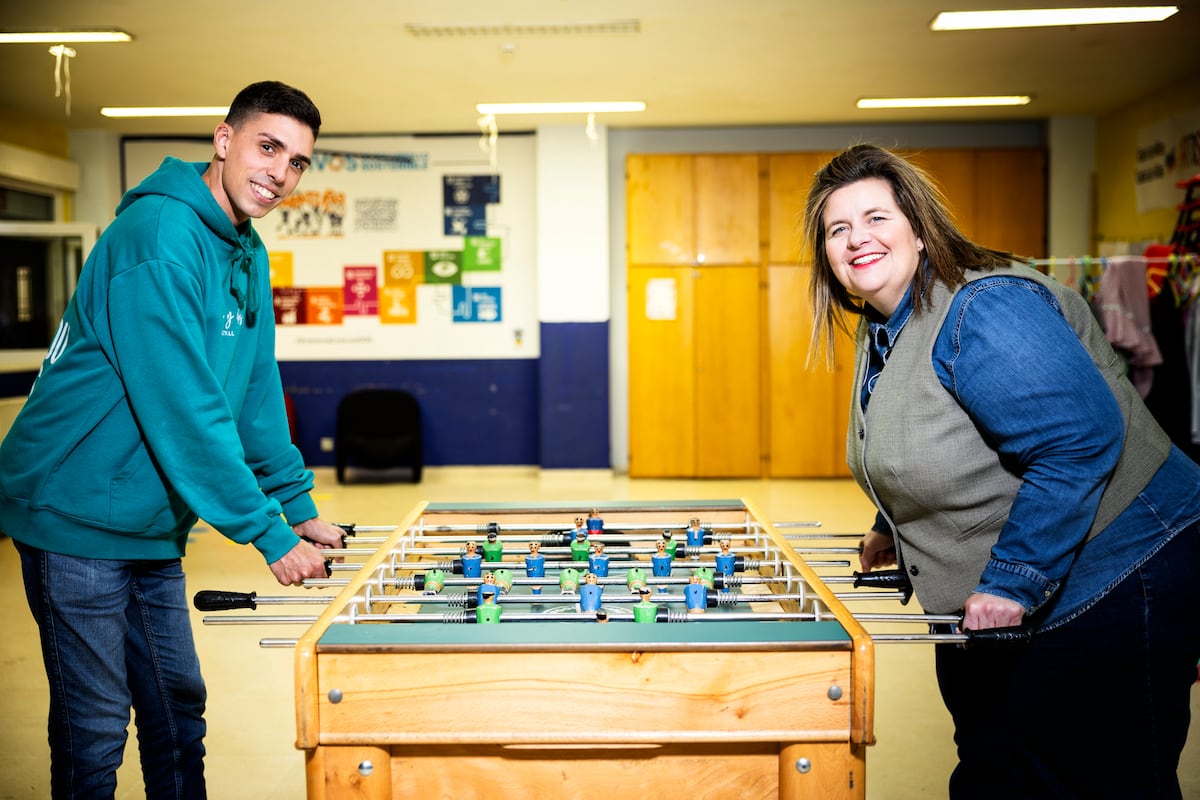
641 650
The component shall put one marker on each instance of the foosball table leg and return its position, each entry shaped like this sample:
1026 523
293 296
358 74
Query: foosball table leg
355 772
817 770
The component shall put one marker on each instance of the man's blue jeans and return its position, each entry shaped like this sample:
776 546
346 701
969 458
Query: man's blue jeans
116 635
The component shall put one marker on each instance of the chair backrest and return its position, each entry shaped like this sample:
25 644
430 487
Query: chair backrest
382 411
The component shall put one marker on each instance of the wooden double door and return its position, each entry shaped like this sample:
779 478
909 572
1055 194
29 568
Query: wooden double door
718 309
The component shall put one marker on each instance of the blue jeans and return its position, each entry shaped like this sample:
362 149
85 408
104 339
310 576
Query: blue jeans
116 635
1096 708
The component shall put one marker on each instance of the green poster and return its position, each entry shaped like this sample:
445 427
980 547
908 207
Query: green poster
443 266
481 254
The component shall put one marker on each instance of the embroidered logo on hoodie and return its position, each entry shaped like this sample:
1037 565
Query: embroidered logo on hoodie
230 316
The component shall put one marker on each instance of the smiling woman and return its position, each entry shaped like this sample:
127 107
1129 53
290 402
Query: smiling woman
1018 480
870 243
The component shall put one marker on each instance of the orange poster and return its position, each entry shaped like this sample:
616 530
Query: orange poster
403 267
281 268
398 305
324 306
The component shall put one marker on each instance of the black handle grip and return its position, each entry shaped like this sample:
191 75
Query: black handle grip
895 579
209 600
1000 637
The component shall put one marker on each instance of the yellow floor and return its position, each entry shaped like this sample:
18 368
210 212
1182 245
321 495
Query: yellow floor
251 728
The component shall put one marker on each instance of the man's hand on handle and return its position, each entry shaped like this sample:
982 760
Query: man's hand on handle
305 560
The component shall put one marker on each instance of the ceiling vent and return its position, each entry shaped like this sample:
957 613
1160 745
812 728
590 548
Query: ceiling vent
527 29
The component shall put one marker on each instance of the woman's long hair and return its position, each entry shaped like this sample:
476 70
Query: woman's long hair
948 253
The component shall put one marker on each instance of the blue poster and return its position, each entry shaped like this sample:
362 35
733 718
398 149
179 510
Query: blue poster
465 221
477 303
465 199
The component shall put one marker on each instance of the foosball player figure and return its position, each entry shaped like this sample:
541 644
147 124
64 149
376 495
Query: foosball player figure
696 595
568 580
580 547
726 560
435 581
590 593
504 579
535 565
579 526
660 562
598 561
695 536
493 548
669 540
594 523
488 611
488 590
644 610
472 562
635 579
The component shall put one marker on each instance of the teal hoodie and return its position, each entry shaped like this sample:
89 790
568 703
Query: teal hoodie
159 400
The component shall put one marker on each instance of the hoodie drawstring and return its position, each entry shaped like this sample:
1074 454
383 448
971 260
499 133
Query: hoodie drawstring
248 300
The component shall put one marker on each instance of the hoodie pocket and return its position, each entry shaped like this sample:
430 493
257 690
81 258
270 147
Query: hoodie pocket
109 481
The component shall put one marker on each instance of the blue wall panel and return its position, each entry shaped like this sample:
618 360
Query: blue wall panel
482 412
574 395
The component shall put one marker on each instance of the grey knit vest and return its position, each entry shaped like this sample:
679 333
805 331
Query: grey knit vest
921 459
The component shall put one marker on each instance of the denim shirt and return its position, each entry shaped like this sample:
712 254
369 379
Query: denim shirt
1017 368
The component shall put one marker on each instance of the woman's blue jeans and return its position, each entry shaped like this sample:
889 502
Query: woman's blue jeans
116 635
1097 708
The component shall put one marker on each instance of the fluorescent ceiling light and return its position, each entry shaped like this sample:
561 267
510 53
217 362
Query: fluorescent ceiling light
942 102
1045 17
166 111
558 108
63 37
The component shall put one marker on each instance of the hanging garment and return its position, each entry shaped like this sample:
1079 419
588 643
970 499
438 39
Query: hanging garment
1123 306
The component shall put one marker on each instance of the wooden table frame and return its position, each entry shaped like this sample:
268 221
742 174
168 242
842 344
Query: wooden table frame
380 717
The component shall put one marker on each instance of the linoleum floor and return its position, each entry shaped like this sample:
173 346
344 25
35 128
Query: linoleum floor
251 723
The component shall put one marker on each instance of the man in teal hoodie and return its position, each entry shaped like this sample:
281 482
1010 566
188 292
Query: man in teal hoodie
158 403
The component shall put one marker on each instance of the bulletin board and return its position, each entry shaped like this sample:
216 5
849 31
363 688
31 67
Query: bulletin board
396 247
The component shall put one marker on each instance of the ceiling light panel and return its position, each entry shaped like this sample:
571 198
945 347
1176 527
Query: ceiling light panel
63 37
944 102
561 108
1048 17
165 111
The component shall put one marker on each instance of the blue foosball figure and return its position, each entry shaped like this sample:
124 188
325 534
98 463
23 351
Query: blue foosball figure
696 596
472 562
487 591
535 565
598 561
590 593
660 562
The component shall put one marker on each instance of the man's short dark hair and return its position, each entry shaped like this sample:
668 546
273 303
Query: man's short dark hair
273 97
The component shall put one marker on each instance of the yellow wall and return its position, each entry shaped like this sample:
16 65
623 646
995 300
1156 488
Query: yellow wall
39 136
44 137
1117 218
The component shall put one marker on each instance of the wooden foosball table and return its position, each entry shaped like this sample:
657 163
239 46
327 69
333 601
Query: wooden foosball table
651 650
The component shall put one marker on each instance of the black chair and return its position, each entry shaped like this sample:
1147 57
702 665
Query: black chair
378 429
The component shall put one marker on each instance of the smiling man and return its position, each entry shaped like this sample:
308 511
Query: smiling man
159 403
